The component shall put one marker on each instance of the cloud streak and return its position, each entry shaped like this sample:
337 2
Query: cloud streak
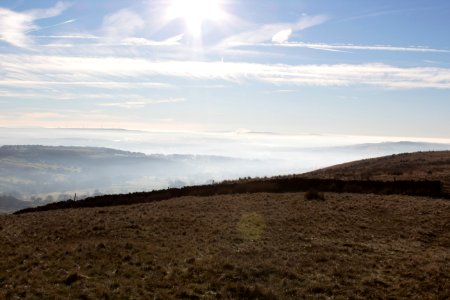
338 47
15 26
123 23
28 69
282 36
135 104
173 41
269 31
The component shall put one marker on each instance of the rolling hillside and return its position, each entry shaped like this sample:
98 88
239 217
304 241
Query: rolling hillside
247 246
240 244
414 174
408 166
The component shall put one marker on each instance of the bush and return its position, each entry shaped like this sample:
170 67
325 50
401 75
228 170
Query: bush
314 195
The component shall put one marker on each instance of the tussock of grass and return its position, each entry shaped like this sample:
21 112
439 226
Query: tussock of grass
314 195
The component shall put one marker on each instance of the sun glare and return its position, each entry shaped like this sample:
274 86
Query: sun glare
195 12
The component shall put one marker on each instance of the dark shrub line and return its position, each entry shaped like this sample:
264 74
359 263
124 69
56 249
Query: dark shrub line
275 185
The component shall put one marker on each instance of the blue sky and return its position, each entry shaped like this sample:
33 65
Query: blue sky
372 68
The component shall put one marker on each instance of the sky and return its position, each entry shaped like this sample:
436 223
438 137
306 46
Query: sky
325 67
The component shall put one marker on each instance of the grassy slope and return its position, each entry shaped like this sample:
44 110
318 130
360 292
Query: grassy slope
266 245
415 166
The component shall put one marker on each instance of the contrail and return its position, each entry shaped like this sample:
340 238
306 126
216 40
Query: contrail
54 25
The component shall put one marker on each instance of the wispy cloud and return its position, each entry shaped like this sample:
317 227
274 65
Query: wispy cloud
340 47
134 41
135 104
49 12
279 31
15 26
51 26
111 43
72 118
390 11
66 70
282 36
71 36
120 96
123 23
36 82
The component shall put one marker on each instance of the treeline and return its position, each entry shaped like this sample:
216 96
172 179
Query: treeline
274 185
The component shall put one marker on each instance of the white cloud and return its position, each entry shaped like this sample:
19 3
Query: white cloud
71 36
110 84
135 41
15 26
62 118
65 70
134 104
42 115
124 23
49 12
340 47
282 36
268 31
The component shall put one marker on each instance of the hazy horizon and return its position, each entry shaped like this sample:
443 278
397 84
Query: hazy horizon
238 144
173 159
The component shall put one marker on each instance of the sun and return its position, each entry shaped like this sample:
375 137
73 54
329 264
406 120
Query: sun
195 13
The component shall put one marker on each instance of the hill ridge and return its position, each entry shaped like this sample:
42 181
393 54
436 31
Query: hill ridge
385 178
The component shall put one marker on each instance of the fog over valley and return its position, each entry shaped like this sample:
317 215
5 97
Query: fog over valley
89 162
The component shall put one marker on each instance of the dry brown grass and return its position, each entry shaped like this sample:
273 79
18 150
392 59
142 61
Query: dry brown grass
408 166
263 246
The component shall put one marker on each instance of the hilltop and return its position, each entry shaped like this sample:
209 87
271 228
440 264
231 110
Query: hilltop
432 165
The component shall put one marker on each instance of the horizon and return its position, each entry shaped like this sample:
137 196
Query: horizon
291 67
237 144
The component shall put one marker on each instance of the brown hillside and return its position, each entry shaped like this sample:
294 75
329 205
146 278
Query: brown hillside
248 246
408 166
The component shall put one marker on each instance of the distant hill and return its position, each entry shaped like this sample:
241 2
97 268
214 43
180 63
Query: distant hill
9 204
57 173
395 147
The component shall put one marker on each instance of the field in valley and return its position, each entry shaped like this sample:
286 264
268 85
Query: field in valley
254 246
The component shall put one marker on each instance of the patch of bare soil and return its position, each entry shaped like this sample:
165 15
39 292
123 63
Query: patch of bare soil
253 246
